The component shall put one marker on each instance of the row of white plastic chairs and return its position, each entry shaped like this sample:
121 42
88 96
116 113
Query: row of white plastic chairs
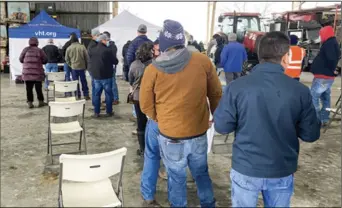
84 180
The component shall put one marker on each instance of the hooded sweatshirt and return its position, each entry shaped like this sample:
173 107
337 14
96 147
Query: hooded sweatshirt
174 91
33 59
325 62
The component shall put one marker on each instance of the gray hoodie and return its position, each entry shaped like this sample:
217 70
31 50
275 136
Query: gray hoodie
172 62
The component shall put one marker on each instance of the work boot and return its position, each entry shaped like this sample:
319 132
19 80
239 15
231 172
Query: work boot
86 97
116 102
109 115
141 140
95 115
151 203
41 104
30 105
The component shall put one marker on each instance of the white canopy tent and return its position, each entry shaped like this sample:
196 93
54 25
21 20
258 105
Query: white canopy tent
124 27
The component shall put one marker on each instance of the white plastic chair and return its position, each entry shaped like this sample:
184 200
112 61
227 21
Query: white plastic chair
88 177
70 86
63 110
52 77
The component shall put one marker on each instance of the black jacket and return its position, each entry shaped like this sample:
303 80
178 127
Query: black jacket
124 51
114 49
68 43
326 61
219 47
102 61
91 45
52 53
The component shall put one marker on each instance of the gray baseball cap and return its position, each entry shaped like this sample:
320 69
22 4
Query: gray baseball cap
142 28
95 32
103 37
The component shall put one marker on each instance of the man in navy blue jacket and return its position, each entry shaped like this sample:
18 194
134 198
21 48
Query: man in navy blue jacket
138 41
132 49
233 56
268 111
323 69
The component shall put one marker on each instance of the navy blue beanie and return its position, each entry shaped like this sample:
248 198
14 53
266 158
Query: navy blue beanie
172 35
293 40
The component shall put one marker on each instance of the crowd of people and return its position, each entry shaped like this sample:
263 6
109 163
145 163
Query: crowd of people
174 89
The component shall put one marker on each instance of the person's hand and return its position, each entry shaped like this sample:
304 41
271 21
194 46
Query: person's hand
211 123
130 89
336 72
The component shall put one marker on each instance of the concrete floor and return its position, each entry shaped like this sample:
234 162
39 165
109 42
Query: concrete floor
25 181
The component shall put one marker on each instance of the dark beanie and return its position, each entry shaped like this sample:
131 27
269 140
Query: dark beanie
293 40
172 35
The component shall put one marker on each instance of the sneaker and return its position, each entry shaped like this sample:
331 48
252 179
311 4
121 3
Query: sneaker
116 102
30 104
151 203
134 133
86 97
41 104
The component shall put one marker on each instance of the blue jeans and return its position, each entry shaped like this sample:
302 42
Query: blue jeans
177 155
276 192
50 67
100 85
321 90
67 71
133 112
92 90
115 87
152 158
80 75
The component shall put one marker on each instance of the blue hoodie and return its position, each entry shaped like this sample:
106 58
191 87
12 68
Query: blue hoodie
268 111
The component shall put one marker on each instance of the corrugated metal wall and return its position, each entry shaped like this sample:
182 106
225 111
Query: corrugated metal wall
84 22
82 15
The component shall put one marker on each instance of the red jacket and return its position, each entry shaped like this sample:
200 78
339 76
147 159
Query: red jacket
33 59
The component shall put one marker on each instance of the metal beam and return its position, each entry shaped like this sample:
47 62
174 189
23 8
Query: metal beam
115 8
212 25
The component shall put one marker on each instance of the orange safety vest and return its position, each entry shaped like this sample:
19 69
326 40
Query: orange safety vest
296 56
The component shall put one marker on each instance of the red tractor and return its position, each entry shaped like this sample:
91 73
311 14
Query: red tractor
248 29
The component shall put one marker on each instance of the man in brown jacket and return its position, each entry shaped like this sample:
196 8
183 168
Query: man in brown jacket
174 92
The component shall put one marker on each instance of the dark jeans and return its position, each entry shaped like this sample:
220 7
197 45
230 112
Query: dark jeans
231 76
80 75
115 87
99 86
125 71
67 71
29 90
141 118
